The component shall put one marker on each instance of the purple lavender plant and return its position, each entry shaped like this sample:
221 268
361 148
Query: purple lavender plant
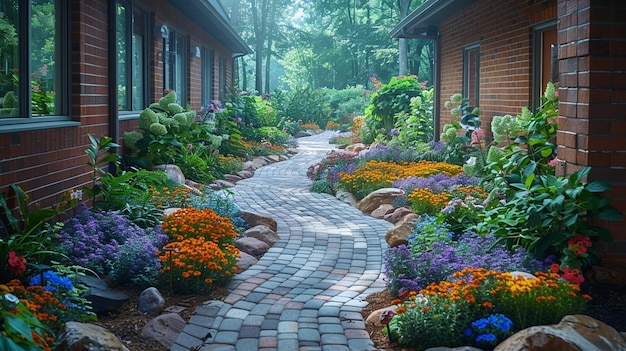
108 242
436 183
408 269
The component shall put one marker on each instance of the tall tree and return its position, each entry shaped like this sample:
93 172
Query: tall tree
403 56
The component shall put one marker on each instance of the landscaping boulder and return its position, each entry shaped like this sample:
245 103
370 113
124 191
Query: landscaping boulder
574 332
254 219
346 197
164 329
358 147
398 235
273 158
232 178
174 173
397 214
382 211
102 298
245 261
252 246
292 150
374 317
262 233
379 197
245 174
76 336
223 184
150 302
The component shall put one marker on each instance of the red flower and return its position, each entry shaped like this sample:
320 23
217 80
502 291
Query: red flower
386 317
572 275
17 264
579 244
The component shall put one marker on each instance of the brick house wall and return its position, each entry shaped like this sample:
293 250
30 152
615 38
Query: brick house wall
592 82
47 162
505 38
592 110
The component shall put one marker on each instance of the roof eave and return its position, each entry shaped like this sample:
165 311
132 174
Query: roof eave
210 16
426 16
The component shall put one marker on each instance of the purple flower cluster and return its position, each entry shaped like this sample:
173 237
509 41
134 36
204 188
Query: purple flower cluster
97 240
383 153
436 183
408 270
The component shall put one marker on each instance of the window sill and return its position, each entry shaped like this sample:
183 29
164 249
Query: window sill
23 127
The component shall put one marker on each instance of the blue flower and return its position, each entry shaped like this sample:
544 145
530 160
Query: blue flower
52 281
485 337
468 332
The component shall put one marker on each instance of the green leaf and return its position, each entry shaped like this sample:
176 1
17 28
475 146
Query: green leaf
18 325
529 180
598 186
609 214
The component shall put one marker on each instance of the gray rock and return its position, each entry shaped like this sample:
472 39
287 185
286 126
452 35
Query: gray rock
245 261
76 336
574 332
232 178
273 158
173 172
262 233
150 302
250 166
346 197
252 246
245 174
254 219
302 134
102 298
292 150
223 184
164 329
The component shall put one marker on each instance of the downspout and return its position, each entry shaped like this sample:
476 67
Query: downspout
433 35
112 79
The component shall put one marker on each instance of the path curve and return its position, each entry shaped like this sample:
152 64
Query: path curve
308 290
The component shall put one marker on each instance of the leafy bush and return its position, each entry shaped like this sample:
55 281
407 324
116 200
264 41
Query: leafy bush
416 126
348 102
222 203
388 101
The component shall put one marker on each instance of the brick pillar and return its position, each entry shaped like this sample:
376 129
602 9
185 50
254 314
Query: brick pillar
592 110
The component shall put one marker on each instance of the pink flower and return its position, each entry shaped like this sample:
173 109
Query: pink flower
553 162
477 135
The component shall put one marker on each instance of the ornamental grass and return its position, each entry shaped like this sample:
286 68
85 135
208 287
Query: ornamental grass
374 175
450 313
201 251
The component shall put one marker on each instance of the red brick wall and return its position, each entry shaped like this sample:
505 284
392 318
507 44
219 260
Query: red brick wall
592 110
503 29
45 163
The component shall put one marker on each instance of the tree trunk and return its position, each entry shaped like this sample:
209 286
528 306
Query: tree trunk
403 57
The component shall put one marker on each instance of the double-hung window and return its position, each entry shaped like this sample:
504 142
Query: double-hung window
175 65
207 76
544 59
34 65
132 58
471 74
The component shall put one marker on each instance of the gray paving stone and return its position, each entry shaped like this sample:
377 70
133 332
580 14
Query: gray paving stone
328 260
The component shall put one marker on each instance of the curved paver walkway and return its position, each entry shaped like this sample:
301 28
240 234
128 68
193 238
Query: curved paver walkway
308 290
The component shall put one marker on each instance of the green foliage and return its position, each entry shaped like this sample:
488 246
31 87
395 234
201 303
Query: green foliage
99 160
344 104
416 127
542 213
464 138
29 235
18 324
390 100
306 105
166 130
